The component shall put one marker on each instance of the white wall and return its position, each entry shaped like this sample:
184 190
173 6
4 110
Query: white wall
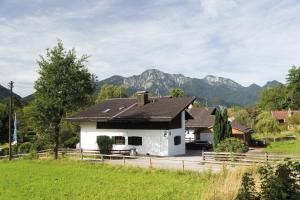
154 142
177 149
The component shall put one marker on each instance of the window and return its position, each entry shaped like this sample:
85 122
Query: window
106 110
118 139
134 140
177 140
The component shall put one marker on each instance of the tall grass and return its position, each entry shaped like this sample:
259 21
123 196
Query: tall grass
64 179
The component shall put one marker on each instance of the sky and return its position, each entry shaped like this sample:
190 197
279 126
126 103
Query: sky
247 41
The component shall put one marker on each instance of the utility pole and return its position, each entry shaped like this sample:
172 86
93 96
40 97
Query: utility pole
11 84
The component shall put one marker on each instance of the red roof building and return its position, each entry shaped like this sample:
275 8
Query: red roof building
283 115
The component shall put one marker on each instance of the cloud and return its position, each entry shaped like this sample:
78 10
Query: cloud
248 41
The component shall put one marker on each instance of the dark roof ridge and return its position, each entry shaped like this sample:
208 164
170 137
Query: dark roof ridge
126 109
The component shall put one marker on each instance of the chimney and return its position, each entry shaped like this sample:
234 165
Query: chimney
142 98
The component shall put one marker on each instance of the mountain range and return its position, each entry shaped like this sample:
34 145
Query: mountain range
210 90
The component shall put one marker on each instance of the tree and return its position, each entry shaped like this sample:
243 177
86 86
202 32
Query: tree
217 129
111 91
293 81
266 123
222 127
176 92
227 125
294 121
64 85
274 98
247 116
197 104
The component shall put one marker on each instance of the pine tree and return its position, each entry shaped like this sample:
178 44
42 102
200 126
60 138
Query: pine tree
227 129
222 127
217 129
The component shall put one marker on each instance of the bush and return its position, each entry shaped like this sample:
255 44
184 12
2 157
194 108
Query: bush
247 190
232 145
25 147
281 181
105 144
277 182
31 155
5 151
71 142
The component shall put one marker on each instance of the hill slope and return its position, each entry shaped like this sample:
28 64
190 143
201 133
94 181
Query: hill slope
4 93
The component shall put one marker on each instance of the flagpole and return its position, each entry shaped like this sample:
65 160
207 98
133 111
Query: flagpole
15 137
9 123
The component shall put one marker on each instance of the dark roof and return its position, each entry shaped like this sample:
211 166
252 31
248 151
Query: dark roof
205 118
202 118
241 127
125 109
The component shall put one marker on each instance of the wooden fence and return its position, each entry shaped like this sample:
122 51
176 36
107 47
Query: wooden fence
208 159
247 157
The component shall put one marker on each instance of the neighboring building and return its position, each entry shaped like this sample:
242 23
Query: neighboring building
153 126
283 115
200 126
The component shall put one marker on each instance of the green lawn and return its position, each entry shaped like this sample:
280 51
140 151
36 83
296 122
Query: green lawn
285 147
26 179
291 147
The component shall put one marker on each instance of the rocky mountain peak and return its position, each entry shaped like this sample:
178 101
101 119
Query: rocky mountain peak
217 81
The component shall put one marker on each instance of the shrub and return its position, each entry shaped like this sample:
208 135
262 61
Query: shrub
277 182
25 147
31 155
247 190
105 144
232 145
71 142
5 151
281 181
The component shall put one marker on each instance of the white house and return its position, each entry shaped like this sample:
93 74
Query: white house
200 126
153 126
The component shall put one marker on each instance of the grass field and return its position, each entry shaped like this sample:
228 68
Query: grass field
291 147
36 179
285 147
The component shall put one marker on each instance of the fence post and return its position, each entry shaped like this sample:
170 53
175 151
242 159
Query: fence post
150 162
203 155
267 157
81 151
183 165
124 160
